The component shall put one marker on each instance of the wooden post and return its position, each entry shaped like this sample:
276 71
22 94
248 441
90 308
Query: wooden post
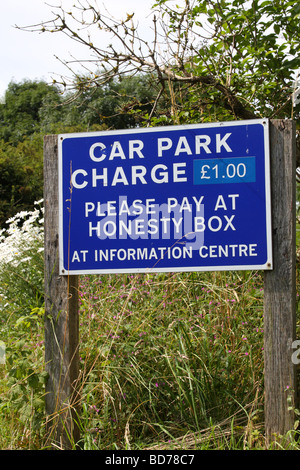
280 285
61 320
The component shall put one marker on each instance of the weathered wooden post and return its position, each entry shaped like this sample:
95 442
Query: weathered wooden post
280 285
61 320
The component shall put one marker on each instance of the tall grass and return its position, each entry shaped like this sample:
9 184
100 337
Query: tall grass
169 355
167 361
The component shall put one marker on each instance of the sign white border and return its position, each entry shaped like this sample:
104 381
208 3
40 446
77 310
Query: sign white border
267 266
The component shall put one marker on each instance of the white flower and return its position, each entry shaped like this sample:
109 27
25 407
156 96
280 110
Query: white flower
23 234
39 202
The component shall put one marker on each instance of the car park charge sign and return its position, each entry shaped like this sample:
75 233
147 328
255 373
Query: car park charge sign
179 198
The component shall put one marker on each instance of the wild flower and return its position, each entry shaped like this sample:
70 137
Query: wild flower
25 231
21 258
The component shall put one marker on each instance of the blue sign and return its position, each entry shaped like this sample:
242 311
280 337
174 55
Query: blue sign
180 198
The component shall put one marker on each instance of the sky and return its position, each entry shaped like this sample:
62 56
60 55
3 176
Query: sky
27 55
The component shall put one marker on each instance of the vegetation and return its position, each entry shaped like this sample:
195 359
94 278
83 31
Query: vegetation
215 59
167 361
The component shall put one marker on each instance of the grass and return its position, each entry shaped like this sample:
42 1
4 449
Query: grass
167 361
169 355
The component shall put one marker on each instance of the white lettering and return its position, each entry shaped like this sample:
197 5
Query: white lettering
198 203
74 182
119 177
117 151
161 147
220 204
88 205
135 146
229 222
138 172
219 251
96 177
178 172
76 256
219 223
92 150
222 142
164 174
183 146
233 197
202 141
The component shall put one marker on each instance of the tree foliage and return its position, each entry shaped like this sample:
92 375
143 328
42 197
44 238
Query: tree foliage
21 157
236 59
32 109
116 104
19 113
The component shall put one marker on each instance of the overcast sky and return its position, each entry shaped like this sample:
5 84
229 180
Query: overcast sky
26 55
